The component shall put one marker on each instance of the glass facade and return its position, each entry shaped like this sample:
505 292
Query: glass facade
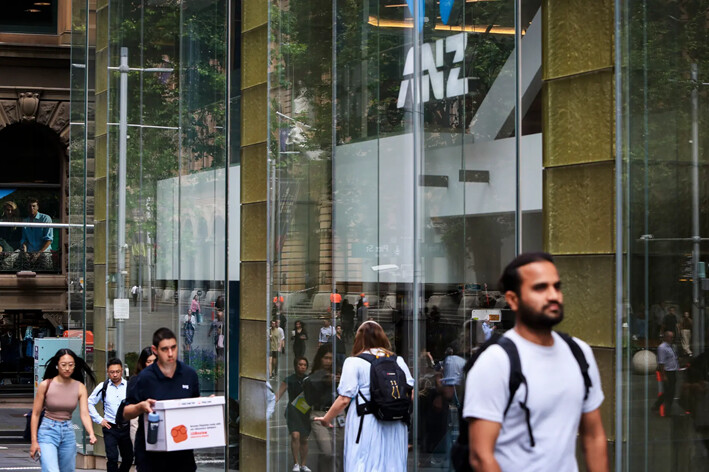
150 132
397 154
396 148
664 75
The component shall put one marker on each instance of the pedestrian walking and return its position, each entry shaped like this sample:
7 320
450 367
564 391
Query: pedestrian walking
667 366
166 379
116 434
297 414
371 444
146 358
299 336
53 441
557 388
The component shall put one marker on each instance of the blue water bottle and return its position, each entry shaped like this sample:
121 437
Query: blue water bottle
153 424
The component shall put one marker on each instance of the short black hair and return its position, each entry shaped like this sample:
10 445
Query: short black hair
510 279
161 334
114 361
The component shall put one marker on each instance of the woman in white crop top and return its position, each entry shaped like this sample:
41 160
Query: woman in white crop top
53 441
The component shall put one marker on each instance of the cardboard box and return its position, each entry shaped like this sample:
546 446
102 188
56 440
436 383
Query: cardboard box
190 423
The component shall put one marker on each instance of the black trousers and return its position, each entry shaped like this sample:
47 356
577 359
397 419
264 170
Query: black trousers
668 392
116 440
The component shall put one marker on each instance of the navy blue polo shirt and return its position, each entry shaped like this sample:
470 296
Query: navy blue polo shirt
152 383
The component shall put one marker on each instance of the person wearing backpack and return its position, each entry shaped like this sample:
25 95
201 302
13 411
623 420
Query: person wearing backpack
116 434
379 385
552 379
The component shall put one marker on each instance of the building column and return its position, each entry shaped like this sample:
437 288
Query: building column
254 282
579 174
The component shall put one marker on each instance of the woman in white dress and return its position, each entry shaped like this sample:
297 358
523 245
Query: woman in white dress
383 445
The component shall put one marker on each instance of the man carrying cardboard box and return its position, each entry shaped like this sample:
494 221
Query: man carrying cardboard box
166 379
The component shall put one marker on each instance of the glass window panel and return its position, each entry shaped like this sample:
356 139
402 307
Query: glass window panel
664 114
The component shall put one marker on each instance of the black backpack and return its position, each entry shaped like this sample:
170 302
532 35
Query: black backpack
120 424
390 394
460 452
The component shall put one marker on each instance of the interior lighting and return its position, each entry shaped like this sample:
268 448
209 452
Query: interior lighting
33 10
42 4
408 23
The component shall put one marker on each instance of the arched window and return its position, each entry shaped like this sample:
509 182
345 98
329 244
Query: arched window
31 157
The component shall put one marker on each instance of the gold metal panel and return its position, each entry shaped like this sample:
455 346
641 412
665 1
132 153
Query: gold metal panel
253 232
252 395
605 358
578 119
254 115
255 14
254 53
101 70
99 286
577 36
579 209
100 242
102 29
252 453
589 297
101 107
252 349
100 154
254 174
100 199
100 342
253 291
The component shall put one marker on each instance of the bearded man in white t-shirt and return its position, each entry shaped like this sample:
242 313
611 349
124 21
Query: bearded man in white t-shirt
500 441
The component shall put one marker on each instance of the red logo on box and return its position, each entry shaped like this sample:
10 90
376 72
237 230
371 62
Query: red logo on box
179 433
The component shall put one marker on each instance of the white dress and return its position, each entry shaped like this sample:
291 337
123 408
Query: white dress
383 445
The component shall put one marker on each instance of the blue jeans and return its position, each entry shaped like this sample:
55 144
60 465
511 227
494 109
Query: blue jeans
57 444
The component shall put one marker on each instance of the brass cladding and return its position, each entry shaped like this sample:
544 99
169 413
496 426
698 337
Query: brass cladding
254 46
577 37
100 242
255 112
253 232
589 302
252 453
253 399
253 291
252 360
254 173
579 120
254 14
579 209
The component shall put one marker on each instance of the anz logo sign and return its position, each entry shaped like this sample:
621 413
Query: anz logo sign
444 80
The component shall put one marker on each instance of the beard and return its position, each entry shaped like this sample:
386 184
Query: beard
539 320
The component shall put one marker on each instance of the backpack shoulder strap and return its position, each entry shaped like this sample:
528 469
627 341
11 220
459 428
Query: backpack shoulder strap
367 357
516 376
103 390
580 358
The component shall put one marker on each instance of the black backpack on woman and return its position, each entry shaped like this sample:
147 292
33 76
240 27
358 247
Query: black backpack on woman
390 394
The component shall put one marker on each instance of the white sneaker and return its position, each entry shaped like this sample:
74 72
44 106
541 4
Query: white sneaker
296 468
305 468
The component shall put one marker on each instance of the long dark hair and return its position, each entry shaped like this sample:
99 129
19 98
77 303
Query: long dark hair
302 326
143 358
81 368
317 362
